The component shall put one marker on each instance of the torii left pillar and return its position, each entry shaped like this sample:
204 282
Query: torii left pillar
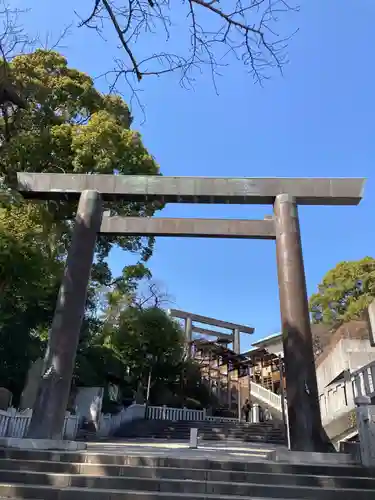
189 336
54 388
237 350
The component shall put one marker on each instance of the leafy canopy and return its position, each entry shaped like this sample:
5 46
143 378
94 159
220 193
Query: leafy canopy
29 280
67 126
345 292
70 127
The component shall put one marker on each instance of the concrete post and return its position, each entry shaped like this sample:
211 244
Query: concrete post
236 341
229 388
188 335
371 322
365 421
237 350
255 414
54 388
306 432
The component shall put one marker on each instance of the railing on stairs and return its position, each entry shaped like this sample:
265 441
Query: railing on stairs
265 396
338 398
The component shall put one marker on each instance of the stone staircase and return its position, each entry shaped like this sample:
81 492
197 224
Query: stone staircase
266 432
105 476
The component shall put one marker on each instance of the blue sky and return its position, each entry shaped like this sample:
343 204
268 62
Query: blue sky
316 120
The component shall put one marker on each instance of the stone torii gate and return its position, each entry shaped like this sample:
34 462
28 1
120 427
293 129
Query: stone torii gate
284 194
233 337
235 329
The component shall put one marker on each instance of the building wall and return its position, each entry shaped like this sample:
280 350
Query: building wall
348 349
347 354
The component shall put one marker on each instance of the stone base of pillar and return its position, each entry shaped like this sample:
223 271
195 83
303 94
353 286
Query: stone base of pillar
42 444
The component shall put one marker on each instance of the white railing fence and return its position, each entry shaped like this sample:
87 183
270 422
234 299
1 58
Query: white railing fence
365 414
174 414
363 381
15 424
216 420
184 414
338 398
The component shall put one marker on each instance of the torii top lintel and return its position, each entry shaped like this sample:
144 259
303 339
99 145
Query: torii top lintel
257 190
177 313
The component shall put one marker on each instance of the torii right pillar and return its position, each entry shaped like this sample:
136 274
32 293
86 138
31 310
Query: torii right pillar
305 425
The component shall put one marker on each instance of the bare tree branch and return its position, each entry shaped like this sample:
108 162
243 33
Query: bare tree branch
153 296
56 44
13 41
244 28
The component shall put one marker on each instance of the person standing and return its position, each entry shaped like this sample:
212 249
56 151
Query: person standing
246 410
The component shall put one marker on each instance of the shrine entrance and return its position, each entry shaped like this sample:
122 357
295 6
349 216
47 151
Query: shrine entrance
284 194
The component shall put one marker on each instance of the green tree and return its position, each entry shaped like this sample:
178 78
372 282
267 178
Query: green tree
29 280
137 341
146 338
345 292
68 126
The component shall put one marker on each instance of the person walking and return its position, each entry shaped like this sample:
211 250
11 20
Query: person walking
246 410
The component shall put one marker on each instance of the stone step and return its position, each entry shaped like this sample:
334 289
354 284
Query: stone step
207 432
186 437
61 487
94 476
106 460
206 435
49 493
185 430
206 427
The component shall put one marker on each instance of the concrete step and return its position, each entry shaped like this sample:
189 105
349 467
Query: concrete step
12 458
204 437
206 434
213 431
49 493
103 476
94 476
61 487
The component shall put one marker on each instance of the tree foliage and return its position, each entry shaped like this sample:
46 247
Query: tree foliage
70 127
67 126
29 280
128 347
345 292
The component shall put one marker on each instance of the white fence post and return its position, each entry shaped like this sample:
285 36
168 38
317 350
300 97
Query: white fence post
255 414
15 424
4 423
